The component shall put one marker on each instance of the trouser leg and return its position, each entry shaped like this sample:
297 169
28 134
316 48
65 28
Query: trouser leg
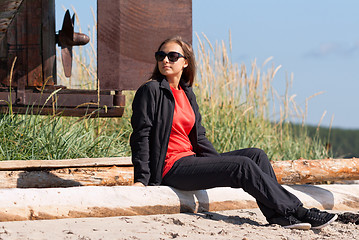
261 159
233 170
256 155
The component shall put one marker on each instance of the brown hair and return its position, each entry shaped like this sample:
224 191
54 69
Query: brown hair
189 72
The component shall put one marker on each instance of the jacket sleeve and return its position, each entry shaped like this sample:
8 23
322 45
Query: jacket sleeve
205 147
143 109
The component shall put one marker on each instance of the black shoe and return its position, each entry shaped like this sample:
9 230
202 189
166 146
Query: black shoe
290 222
318 219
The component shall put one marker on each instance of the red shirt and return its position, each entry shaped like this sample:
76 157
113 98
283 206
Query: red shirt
179 144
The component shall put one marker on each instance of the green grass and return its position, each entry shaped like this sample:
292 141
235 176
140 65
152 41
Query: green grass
25 137
237 107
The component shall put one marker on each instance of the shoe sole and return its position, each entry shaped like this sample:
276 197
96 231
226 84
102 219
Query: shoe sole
327 223
301 226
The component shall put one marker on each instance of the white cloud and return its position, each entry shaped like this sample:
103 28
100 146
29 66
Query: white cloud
334 49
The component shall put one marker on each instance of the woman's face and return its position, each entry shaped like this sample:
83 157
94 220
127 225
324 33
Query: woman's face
170 69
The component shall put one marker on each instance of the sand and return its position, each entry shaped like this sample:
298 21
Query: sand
234 224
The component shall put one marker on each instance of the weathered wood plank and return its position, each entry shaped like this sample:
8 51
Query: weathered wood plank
16 40
67 163
48 42
67 177
33 37
119 171
8 9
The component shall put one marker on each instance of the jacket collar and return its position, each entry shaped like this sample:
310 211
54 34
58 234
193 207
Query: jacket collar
187 90
164 84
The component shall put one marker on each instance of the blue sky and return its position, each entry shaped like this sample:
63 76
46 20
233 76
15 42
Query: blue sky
317 41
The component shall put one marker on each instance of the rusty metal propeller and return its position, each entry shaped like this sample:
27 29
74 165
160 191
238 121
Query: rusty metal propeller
66 39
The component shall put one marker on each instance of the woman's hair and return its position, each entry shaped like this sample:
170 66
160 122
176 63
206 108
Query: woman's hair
189 72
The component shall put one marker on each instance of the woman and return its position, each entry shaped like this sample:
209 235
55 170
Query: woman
169 145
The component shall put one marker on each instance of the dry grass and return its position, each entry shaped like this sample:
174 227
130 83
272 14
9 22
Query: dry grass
239 106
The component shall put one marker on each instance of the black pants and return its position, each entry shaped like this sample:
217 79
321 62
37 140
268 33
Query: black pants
248 168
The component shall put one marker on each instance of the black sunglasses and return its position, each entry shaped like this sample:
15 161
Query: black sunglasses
172 56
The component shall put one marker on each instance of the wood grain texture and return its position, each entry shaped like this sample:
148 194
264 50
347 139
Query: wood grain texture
315 171
67 177
119 171
66 163
129 33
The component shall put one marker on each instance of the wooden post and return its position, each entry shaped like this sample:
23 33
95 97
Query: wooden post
48 42
16 48
32 38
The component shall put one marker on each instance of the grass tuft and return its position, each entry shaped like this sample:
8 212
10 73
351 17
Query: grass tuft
239 107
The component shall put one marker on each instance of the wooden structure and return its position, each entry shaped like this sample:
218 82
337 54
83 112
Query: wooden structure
119 171
128 35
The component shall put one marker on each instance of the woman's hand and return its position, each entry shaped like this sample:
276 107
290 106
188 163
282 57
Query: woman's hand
138 184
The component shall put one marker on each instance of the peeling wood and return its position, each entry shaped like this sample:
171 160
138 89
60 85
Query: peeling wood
66 163
315 171
67 177
119 171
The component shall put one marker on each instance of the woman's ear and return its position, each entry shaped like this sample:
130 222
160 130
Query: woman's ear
185 64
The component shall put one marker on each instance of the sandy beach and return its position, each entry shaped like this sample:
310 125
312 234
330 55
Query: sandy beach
233 224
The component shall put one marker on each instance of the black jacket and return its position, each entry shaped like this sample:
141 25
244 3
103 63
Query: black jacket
151 121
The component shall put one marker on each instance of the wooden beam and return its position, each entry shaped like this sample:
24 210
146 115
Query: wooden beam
66 163
67 177
119 171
